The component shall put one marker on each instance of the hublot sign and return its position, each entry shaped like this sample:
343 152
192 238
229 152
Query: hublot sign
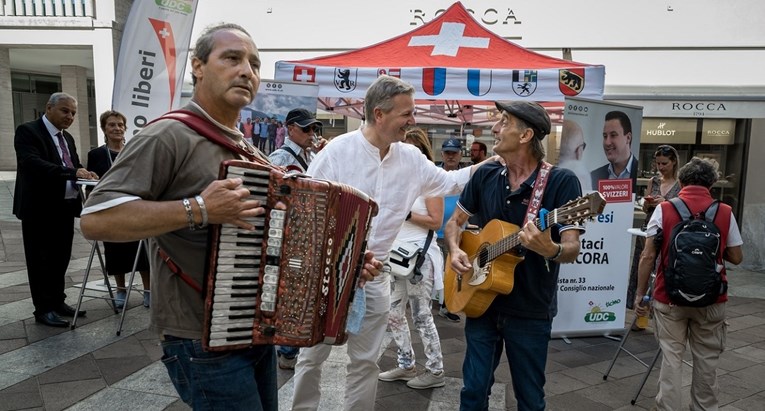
698 108
489 17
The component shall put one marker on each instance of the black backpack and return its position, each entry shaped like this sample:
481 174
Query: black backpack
693 276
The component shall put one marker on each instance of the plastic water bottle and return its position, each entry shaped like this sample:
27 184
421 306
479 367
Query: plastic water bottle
642 321
356 312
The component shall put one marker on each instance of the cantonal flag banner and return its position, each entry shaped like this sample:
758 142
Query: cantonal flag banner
152 60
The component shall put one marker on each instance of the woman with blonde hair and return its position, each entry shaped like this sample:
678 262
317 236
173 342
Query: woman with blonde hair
426 216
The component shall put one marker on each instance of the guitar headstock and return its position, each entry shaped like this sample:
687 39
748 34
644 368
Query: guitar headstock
580 209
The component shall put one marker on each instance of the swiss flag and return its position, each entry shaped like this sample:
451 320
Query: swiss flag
304 74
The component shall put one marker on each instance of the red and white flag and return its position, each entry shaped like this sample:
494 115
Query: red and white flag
152 60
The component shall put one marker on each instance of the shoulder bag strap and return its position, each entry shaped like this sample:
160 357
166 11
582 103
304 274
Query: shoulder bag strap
297 157
421 259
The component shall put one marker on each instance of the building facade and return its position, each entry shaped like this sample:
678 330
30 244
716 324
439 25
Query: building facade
57 45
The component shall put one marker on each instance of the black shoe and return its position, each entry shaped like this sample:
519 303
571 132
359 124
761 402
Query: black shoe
67 310
51 319
449 316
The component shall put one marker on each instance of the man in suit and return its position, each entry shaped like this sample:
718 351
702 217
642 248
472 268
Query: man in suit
46 200
617 141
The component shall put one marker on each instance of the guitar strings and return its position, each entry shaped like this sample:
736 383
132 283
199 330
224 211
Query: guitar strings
508 243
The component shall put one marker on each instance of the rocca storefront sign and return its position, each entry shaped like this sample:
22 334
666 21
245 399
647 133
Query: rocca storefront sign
698 108
490 16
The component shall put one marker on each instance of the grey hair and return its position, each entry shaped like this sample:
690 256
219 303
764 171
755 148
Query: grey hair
697 172
205 43
56 97
381 93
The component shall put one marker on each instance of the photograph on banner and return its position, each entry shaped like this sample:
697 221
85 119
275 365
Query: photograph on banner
260 120
600 142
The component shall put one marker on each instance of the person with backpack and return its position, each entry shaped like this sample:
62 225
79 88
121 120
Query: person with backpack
693 235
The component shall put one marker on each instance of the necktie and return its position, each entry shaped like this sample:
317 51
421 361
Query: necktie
64 150
66 157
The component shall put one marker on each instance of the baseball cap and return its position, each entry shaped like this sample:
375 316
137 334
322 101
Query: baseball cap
532 113
451 144
301 117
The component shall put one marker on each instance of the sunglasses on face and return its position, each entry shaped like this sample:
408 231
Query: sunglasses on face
309 129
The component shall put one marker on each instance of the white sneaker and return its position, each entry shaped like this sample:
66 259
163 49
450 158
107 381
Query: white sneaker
398 374
427 380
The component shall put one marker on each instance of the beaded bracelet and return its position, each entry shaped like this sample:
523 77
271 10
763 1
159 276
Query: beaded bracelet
189 214
203 209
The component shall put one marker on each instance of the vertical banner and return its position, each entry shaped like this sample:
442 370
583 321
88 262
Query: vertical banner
152 60
600 142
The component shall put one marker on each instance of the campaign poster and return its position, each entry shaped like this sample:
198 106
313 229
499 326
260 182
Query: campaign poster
600 142
275 99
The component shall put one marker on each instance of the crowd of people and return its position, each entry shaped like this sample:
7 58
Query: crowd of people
163 187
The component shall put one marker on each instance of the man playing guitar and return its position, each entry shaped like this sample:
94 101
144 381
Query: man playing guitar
519 322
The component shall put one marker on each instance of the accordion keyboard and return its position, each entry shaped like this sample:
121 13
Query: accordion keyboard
239 258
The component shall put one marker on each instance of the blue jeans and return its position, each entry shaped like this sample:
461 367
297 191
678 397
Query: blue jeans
287 352
230 380
525 341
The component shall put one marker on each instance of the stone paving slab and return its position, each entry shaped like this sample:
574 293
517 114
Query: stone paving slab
91 368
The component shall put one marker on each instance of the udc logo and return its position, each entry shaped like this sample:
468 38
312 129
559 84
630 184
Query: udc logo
597 316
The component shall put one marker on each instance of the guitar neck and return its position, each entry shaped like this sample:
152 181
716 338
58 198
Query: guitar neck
513 240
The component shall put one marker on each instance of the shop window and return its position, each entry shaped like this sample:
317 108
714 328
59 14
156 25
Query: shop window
721 141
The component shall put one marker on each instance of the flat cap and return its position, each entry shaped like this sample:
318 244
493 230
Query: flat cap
532 113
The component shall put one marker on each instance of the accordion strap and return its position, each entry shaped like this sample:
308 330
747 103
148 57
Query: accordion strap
206 129
177 271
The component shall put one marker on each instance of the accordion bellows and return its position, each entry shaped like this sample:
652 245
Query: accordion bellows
291 281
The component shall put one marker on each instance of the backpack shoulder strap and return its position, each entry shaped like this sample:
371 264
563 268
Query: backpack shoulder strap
711 212
681 208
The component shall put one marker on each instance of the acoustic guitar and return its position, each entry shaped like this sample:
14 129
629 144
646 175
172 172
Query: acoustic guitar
491 252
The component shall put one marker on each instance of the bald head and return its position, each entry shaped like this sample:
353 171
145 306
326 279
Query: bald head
571 141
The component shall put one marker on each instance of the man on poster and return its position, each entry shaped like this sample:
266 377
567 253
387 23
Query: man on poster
617 142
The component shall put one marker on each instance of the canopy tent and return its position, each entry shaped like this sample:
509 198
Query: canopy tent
457 67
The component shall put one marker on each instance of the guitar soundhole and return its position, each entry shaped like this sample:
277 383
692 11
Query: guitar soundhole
483 257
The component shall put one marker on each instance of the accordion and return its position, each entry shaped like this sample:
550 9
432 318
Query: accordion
291 280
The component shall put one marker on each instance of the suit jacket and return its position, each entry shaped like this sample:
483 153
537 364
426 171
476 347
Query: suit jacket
40 176
601 173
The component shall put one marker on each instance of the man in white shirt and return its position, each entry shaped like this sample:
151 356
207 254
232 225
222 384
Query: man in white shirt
374 160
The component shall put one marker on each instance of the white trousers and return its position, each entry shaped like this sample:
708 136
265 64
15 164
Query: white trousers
418 296
362 370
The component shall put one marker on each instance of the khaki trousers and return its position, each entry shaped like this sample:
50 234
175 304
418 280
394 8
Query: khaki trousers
704 330
361 380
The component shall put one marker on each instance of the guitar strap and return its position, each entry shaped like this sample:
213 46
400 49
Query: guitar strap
537 192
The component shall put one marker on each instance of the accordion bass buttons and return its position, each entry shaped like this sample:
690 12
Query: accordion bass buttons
271 274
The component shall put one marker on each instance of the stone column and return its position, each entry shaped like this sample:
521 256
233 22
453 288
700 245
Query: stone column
74 81
7 130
